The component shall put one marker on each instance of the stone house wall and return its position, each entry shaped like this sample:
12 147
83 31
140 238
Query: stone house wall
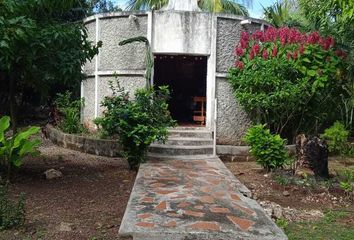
169 32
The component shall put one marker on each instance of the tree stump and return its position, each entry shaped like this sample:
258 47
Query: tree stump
313 152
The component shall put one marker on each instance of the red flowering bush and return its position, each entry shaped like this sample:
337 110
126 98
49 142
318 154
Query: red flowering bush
284 77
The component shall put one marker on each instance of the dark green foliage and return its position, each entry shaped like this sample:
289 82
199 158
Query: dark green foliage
268 149
42 48
270 91
289 84
69 109
136 122
11 214
337 138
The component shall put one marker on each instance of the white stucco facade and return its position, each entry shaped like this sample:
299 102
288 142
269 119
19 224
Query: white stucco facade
170 32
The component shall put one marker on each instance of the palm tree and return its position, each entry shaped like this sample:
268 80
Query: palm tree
217 6
277 14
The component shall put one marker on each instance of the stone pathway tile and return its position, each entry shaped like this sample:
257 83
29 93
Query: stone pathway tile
193 199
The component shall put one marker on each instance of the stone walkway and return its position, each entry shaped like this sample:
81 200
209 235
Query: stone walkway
193 199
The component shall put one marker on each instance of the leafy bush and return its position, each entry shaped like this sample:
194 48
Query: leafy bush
14 148
11 214
268 149
288 80
136 122
346 178
69 109
337 137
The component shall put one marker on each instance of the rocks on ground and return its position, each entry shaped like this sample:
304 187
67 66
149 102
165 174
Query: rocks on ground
65 227
52 174
275 211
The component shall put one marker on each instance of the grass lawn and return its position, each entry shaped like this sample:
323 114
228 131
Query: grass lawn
334 225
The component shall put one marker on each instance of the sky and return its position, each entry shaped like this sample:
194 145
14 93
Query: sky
255 10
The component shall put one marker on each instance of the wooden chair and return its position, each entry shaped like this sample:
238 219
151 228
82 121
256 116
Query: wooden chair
200 113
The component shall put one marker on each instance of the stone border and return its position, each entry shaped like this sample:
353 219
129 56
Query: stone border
241 153
111 148
100 147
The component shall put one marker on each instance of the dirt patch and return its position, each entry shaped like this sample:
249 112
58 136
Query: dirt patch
304 197
88 202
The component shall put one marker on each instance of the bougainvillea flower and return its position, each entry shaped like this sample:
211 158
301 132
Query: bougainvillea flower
275 51
265 53
294 36
258 35
327 43
295 55
270 34
255 48
288 56
302 49
239 64
251 55
340 53
245 36
244 43
239 51
283 35
313 38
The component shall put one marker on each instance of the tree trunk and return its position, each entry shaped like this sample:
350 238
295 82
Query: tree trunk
312 151
12 103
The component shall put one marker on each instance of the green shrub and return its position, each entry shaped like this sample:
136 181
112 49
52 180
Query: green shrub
289 80
136 122
14 148
69 109
337 138
11 214
268 149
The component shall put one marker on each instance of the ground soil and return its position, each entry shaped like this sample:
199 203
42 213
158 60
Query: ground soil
304 198
90 197
92 194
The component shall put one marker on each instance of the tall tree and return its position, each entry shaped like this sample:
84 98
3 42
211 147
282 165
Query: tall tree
333 17
43 45
101 6
285 13
223 6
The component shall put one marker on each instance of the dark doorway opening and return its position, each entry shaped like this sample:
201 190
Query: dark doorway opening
186 78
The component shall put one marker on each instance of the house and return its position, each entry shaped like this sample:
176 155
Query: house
193 51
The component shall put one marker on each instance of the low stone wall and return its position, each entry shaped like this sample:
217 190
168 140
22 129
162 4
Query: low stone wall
101 147
241 153
111 148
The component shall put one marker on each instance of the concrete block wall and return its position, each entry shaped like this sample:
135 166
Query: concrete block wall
170 32
123 63
232 120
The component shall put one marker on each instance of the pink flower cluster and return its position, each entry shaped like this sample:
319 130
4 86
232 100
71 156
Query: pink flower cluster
254 44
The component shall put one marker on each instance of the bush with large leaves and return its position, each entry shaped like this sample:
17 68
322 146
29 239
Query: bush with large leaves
136 122
14 148
288 80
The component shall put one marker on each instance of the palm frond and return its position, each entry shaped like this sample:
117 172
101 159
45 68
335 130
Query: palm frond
223 6
233 7
277 14
146 4
149 74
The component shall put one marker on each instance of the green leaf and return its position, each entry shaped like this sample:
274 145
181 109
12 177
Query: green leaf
24 135
311 73
4 125
29 147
